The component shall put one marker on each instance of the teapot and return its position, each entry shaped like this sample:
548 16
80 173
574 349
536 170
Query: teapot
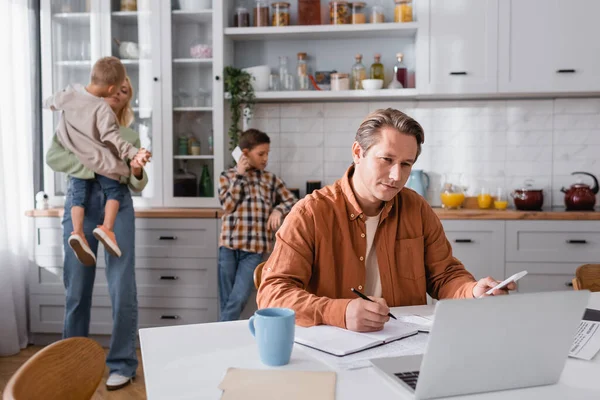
581 197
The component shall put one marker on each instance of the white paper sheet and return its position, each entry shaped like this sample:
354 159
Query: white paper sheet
587 340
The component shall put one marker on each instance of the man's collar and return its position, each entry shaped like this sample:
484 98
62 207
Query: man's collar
354 209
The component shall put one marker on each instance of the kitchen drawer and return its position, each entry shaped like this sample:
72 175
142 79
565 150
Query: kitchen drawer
48 237
185 238
543 277
479 245
47 313
184 277
553 241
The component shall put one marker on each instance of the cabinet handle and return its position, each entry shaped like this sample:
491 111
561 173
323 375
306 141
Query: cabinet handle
565 71
155 79
167 238
569 284
463 241
576 241
458 73
169 317
169 278
217 77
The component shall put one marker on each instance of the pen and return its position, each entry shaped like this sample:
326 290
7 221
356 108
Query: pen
362 296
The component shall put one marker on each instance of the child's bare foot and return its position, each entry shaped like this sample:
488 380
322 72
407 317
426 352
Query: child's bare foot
108 239
82 249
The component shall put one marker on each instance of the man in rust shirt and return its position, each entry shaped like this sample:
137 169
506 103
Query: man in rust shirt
366 232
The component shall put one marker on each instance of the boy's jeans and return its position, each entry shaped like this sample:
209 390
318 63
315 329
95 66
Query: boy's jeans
120 274
236 280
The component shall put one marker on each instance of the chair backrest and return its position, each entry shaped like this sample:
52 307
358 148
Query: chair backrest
70 369
587 276
258 274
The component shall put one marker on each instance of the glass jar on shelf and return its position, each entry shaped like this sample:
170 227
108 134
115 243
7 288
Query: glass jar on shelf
358 13
340 81
338 12
281 14
309 12
261 13
377 14
241 18
403 12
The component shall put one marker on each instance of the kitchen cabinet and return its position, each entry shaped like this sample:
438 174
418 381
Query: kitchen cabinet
548 46
176 275
550 251
479 245
175 95
461 43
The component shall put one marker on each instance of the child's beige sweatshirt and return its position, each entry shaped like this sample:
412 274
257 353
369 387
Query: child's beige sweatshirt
88 128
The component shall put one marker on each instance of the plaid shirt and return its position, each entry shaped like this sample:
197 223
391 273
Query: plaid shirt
248 200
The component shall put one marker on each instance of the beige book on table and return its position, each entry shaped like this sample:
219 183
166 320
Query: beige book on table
268 384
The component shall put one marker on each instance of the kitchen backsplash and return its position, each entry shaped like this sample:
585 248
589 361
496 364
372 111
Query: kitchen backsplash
496 143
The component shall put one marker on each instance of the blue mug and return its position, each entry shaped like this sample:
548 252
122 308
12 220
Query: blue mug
274 329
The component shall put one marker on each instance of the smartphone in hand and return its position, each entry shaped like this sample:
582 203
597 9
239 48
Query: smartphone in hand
505 282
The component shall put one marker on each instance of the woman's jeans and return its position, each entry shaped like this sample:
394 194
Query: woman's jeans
236 280
120 274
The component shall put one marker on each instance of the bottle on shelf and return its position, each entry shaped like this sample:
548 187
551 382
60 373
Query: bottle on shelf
399 74
302 72
210 144
377 68
283 72
359 72
206 186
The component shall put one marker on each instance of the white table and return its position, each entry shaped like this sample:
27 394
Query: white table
189 362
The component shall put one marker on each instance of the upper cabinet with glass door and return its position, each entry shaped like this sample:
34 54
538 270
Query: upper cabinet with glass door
191 169
69 30
133 36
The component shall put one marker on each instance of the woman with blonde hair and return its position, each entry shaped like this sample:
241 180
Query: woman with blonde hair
120 271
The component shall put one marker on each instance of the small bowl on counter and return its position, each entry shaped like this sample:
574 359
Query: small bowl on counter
372 84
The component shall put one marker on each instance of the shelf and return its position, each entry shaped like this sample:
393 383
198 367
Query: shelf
72 18
322 32
134 62
339 95
192 61
192 109
193 157
129 17
74 64
192 17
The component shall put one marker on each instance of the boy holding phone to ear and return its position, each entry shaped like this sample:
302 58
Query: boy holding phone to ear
249 196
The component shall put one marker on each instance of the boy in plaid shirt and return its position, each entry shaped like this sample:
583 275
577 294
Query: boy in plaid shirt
249 196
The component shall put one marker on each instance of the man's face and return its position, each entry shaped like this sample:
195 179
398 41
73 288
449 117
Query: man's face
385 168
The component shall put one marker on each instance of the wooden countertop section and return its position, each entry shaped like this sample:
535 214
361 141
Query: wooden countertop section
467 214
551 214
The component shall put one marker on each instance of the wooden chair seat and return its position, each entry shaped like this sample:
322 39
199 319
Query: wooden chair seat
70 369
587 276
258 274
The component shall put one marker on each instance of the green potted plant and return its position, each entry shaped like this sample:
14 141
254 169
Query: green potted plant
238 84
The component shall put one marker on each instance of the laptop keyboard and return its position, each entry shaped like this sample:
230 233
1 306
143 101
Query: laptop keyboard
410 378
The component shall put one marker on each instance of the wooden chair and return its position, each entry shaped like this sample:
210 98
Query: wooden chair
69 369
587 276
258 274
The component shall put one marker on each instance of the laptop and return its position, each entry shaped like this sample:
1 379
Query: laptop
489 344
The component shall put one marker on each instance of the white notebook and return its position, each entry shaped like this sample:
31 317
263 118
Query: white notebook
340 342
